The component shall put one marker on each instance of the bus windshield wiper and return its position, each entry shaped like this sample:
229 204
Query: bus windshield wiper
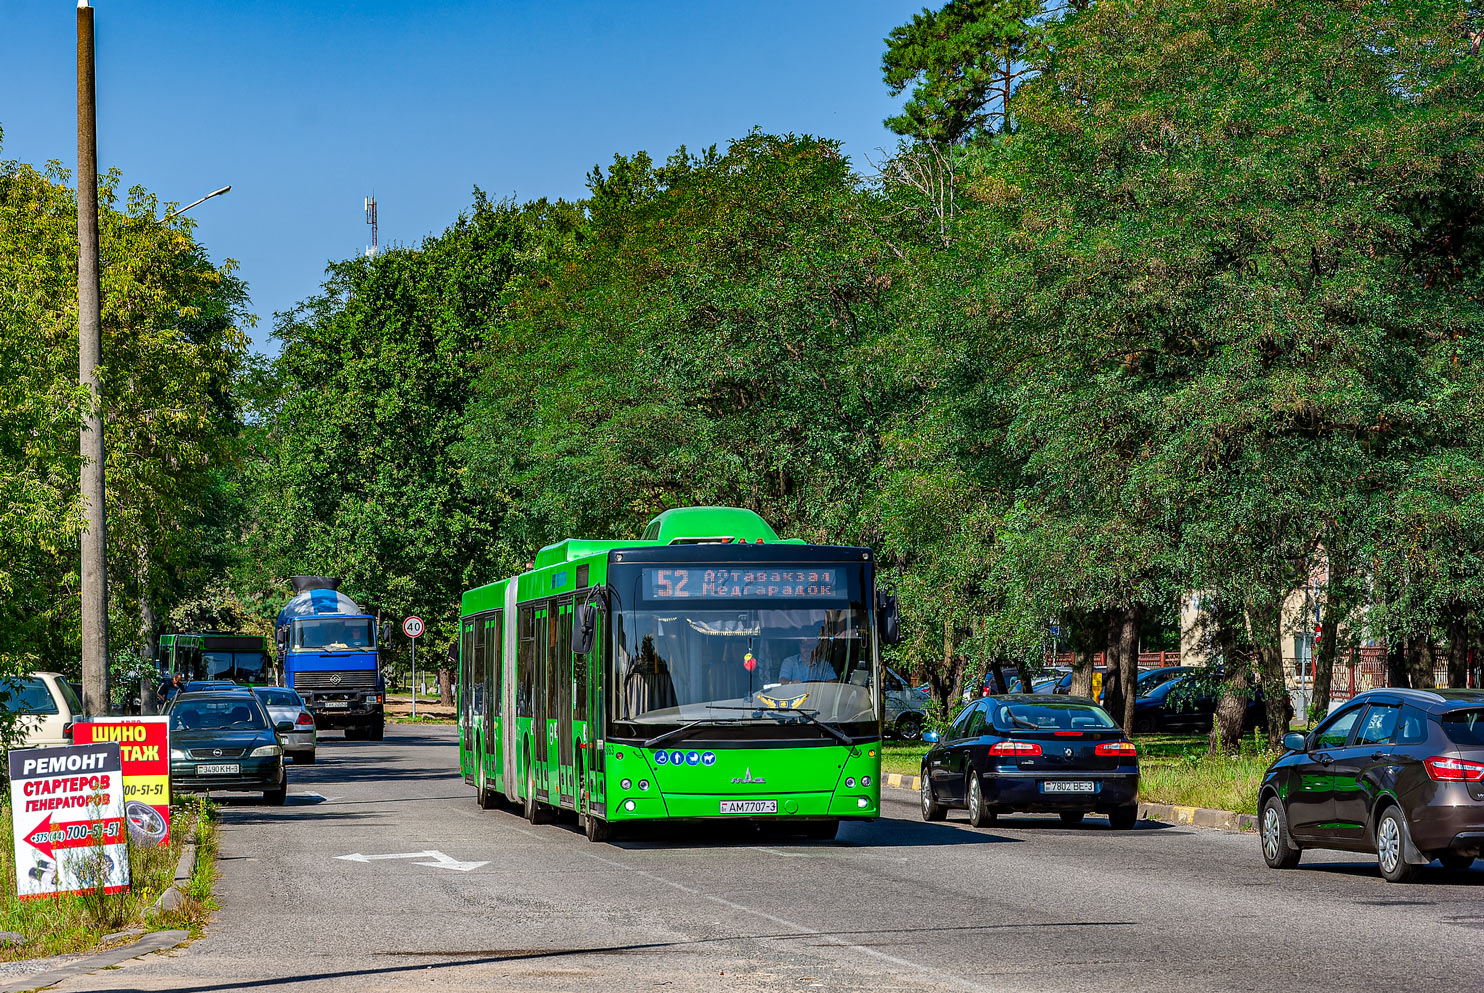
674 733
812 716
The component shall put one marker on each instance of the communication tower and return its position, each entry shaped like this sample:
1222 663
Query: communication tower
371 220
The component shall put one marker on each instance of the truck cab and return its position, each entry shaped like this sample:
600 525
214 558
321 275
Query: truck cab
329 652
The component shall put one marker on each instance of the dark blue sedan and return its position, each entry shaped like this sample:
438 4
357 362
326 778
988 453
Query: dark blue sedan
1025 752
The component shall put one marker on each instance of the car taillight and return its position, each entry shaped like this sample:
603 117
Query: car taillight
1018 748
1116 748
67 730
303 718
1446 770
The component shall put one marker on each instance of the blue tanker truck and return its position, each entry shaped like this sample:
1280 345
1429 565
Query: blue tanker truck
327 646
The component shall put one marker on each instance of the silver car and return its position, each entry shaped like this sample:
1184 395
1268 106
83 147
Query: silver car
905 706
286 705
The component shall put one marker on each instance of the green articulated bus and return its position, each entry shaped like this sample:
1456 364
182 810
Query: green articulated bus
708 671
241 658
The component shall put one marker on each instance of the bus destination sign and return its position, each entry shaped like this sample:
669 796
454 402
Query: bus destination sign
721 583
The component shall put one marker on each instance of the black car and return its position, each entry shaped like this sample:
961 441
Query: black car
1035 753
1394 771
1173 705
223 740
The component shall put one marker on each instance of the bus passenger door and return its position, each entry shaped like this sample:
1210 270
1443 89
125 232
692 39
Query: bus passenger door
540 730
494 645
466 725
566 760
590 711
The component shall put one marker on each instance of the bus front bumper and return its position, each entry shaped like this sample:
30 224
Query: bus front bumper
652 805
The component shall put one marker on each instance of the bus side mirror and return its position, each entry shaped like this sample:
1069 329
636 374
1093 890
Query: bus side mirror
886 618
584 628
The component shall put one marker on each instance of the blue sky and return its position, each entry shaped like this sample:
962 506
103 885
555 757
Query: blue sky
306 107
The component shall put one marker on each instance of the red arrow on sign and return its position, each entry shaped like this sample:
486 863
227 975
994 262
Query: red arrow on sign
41 838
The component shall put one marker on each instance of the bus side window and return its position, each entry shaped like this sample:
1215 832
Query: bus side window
495 659
525 654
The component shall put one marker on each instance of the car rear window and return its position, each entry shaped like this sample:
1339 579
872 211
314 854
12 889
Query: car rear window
1051 717
279 698
27 696
1464 727
210 715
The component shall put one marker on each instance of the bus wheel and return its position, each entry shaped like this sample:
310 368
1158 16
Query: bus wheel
487 798
821 830
596 829
536 811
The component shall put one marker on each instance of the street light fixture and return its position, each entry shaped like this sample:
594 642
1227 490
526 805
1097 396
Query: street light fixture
182 210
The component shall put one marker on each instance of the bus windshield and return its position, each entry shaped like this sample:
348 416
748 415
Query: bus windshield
334 634
700 660
237 666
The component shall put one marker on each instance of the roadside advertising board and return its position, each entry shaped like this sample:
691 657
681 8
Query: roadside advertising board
144 745
67 817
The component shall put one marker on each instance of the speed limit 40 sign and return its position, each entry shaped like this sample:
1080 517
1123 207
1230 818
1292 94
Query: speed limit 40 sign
412 627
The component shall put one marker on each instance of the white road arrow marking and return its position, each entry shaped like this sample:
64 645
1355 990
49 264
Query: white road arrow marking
441 861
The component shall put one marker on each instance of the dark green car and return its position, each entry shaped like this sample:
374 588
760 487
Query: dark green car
224 740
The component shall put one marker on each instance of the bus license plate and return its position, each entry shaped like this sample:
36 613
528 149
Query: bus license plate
231 769
749 806
1068 786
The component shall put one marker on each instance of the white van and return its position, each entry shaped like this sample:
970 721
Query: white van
47 705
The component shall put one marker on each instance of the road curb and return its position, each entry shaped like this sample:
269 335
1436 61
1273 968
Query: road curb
174 895
1202 817
156 941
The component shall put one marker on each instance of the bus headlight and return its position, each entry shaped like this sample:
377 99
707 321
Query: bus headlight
628 805
865 780
850 782
862 802
625 784
644 784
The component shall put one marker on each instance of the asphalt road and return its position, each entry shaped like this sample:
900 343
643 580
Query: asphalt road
894 905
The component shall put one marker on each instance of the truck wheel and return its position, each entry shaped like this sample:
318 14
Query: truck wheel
354 734
377 731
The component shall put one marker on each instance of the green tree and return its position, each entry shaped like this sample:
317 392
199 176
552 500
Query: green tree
172 345
963 63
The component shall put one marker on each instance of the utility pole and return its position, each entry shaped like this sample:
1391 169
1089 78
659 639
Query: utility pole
89 353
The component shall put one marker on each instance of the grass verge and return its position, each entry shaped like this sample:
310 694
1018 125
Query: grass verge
1174 768
77 923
